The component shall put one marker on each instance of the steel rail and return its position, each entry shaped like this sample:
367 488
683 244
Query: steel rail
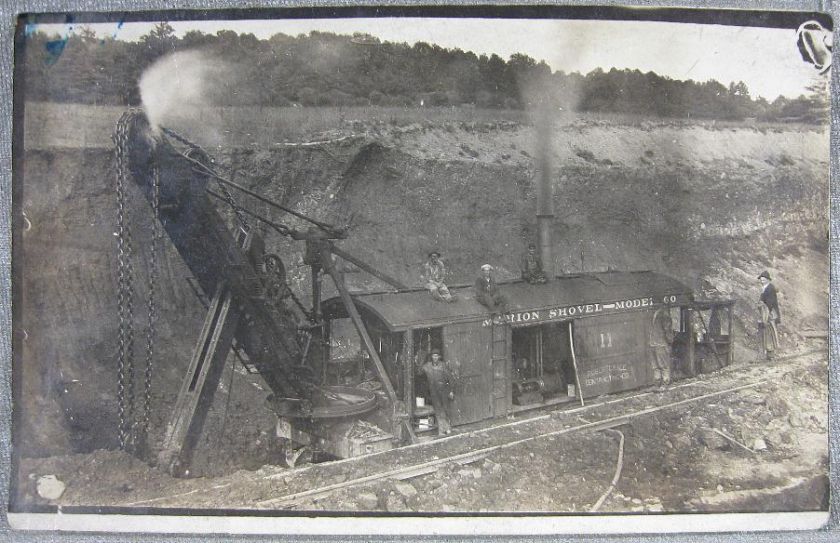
609 422
428 467
562 411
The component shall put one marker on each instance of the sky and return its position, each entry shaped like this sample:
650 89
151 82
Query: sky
766 59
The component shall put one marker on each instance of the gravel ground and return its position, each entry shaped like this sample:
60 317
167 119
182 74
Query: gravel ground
773 458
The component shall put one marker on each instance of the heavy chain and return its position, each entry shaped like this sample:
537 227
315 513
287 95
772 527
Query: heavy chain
125 288
151 331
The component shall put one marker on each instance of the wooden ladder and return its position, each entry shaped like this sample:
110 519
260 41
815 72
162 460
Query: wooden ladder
499 361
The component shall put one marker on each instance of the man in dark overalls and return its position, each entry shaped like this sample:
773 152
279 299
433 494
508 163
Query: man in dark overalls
441 389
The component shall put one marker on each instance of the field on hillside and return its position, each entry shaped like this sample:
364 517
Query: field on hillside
75 125
50 124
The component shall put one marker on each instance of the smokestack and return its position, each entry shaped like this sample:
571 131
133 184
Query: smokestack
545 205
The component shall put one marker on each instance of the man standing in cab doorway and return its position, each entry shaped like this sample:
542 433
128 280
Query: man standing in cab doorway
435 276
441 380
661 341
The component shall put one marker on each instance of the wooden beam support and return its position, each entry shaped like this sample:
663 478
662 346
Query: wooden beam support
326 260
200 383
368 268
408 369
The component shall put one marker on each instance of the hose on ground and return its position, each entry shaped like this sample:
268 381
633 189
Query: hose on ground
618 467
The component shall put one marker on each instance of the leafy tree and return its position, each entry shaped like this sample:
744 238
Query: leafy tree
160 40
328 69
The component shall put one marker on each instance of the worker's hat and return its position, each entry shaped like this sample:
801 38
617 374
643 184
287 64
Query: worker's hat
486 267
434 351
437 254
764 274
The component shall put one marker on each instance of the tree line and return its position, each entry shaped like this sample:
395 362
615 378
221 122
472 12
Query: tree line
325 69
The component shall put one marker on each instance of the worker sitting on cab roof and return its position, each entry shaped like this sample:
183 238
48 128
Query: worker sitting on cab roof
532 268
487 292
435 274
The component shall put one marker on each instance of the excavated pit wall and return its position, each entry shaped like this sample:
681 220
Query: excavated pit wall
403 194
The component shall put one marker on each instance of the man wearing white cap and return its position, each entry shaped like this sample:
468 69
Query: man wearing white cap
487 292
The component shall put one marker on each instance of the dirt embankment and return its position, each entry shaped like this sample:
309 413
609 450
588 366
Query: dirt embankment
693 202
688 201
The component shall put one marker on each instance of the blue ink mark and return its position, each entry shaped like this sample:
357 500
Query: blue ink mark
54 49
120 24
30 29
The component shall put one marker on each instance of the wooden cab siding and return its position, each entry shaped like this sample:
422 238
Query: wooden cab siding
604 317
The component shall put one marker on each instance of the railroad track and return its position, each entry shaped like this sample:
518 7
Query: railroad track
287 489
467 457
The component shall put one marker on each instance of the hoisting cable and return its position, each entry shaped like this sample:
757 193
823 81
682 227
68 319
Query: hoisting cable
232 203
227 197
209 171
279 228
323 226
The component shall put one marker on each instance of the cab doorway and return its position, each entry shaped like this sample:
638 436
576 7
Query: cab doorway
543 368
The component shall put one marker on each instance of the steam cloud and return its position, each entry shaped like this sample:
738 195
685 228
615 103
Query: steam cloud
180 85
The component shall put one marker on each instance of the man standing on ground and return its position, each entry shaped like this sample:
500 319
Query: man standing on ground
770 297
769 315
661 340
